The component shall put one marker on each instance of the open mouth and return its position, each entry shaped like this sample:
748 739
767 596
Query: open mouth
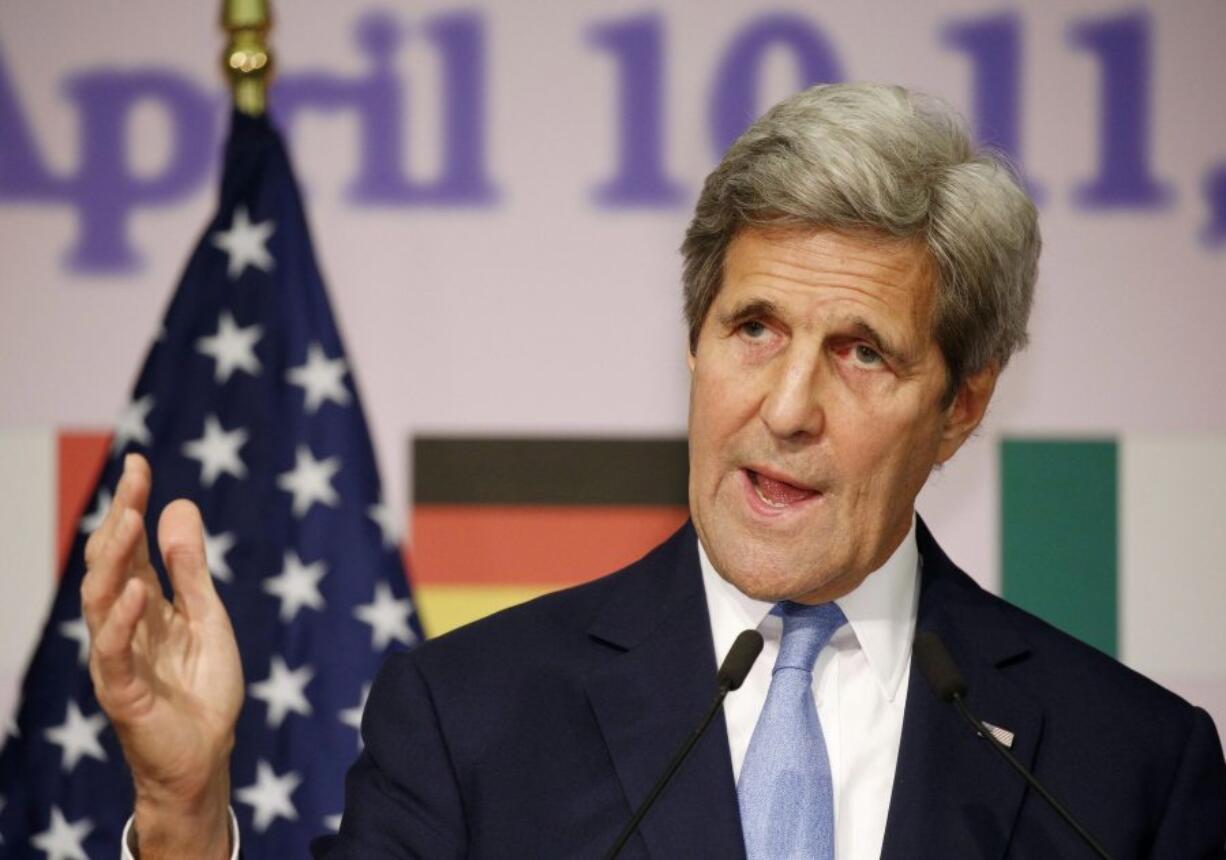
776 493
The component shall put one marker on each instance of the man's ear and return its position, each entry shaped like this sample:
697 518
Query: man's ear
690 358
969 406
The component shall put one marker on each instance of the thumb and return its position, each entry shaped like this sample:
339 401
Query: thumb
181 539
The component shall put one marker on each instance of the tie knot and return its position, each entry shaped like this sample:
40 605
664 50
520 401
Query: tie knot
806 631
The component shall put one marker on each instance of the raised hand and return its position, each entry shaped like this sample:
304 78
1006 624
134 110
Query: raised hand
167 674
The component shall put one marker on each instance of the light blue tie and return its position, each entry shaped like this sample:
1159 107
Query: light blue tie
785 790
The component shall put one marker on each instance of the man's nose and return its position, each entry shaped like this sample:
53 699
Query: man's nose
792 407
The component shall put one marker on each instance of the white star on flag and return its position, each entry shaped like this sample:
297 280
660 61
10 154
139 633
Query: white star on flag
91 521
131 426
244 243
78 736
215 549
321 378
388 618
62 839
297 585
269 796
232 348
217 451
388 521
332 823
79 632
284 691
310 480
353 716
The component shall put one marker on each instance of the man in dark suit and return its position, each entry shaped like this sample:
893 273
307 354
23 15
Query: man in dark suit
534 733
856 277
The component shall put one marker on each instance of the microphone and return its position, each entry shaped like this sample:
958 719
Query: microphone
732 673
740 659
941 672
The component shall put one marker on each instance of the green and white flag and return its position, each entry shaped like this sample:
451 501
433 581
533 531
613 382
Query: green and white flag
1122 542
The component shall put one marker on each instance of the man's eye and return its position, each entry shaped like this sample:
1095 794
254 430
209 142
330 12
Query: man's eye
753 329
867 355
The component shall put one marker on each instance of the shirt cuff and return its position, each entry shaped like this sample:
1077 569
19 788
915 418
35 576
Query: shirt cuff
129 853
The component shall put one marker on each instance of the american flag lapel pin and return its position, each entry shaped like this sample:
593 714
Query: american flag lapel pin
1003 735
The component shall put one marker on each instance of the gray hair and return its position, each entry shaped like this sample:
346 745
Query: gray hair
881 159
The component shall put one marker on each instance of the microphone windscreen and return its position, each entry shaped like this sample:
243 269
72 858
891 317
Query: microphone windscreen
938 667
740 659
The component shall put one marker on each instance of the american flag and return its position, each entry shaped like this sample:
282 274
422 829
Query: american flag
247 406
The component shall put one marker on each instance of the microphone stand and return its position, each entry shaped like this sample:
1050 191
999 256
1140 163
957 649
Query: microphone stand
1000 748
673 765
732 672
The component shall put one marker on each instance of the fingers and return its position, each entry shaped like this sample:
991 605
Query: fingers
112 659
118 549
132 491
181 539
111 568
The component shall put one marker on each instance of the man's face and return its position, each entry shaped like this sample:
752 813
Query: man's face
816 410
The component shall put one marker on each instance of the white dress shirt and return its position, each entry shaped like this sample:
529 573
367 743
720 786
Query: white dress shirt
859 684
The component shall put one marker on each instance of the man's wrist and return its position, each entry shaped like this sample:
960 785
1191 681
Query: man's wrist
167 826
131 851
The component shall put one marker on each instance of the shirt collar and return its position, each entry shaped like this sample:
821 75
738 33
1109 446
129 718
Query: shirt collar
880 612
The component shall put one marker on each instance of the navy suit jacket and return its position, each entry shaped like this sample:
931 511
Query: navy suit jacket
535 732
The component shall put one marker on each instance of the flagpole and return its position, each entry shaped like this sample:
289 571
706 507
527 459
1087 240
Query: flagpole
247 60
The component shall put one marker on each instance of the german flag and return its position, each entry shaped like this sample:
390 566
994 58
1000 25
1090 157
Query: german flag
497 521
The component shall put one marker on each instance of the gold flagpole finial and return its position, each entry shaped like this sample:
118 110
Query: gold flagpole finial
247 61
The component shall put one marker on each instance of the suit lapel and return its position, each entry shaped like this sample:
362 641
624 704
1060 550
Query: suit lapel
649 696
952 796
